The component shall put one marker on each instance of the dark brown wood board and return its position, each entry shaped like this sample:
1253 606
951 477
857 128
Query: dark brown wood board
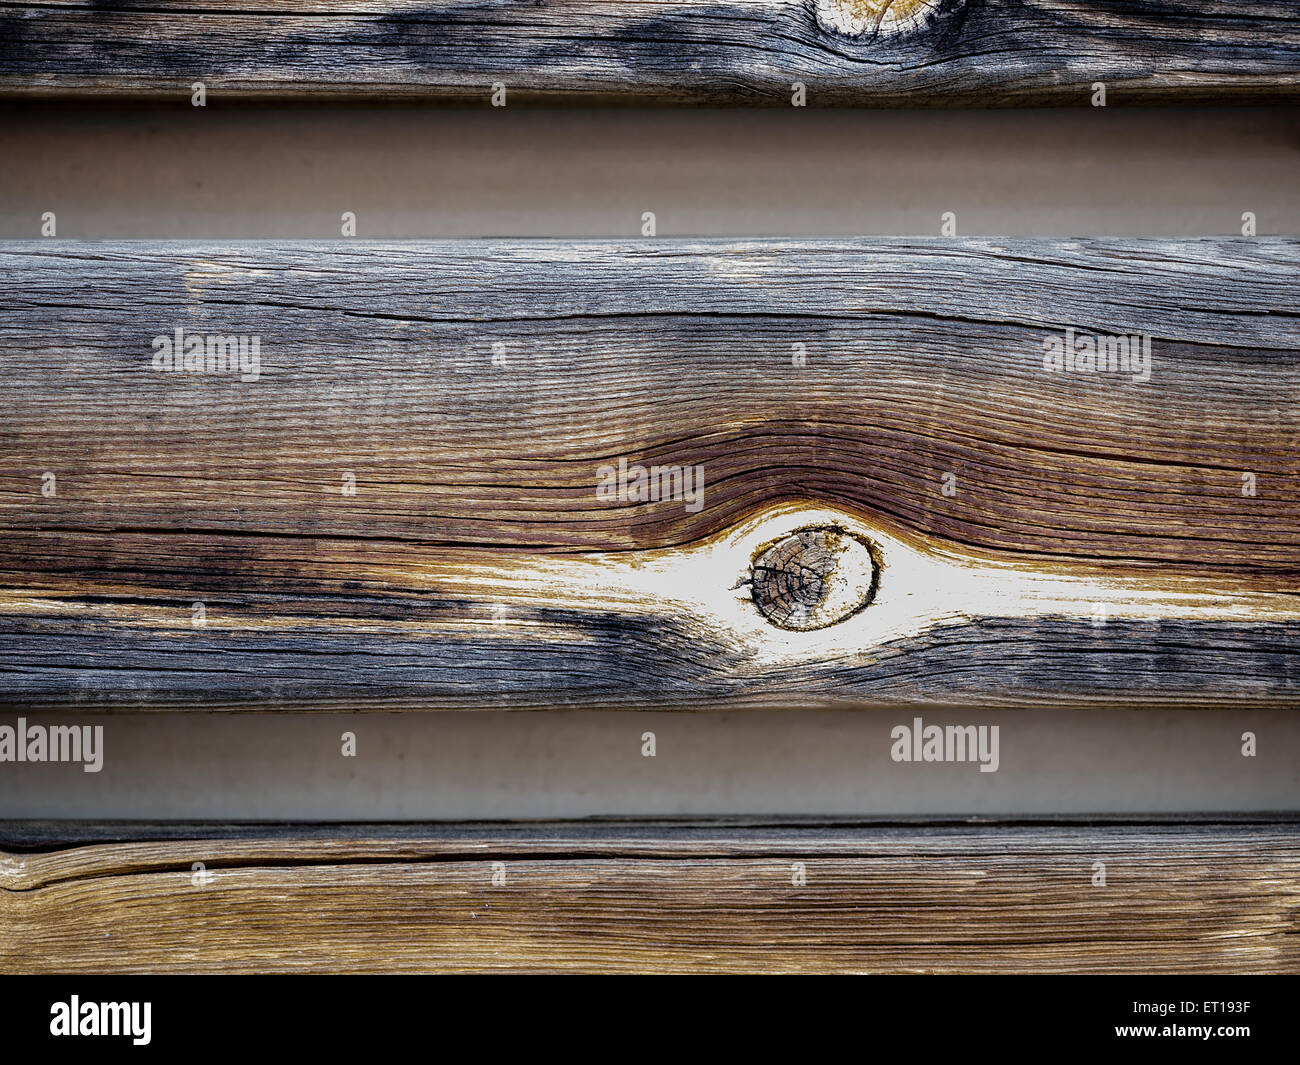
653 897
885 491
882 52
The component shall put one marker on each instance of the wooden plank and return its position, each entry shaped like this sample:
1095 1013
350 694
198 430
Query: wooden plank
969 523
665 897
966 52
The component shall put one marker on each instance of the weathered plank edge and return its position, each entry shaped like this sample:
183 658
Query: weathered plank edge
38 834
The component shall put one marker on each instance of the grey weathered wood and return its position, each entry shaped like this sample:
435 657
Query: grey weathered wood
677 897
972 52
475 566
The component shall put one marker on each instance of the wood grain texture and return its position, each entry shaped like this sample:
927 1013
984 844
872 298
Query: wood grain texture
665 897
1102 542
966 52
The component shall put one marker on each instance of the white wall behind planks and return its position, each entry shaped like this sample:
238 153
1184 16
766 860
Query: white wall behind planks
230 172
471 765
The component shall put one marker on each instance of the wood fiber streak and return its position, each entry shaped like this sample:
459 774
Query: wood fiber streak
969 52
448 578
666 898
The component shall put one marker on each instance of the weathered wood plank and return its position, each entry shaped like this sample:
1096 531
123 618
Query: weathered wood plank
663 897
1020 534
971 52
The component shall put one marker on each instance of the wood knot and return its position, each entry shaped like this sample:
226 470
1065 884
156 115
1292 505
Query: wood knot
856 18
813 578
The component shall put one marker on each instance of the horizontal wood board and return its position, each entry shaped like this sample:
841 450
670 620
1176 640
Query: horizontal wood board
908 52
404 508
661 897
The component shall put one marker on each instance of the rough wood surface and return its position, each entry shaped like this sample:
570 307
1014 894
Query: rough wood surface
407 506
972 52
667 897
